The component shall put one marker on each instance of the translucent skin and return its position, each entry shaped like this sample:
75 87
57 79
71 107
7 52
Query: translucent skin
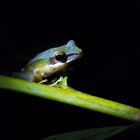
40 66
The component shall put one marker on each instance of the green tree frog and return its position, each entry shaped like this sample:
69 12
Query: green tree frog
50 62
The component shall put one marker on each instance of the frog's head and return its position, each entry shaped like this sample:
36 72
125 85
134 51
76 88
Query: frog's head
66 53
61 57
57 58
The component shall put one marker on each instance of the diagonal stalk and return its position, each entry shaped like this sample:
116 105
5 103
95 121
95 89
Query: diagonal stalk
72 97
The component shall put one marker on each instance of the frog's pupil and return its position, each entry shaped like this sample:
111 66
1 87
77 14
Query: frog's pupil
61 57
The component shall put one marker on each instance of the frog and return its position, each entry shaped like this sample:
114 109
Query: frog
50 62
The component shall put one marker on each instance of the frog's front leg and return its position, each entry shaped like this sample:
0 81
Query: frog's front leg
39 76
56 82
44 78
53 84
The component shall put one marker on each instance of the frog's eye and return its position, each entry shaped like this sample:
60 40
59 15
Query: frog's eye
60 56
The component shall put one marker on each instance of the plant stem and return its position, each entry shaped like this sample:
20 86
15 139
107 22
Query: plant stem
72 97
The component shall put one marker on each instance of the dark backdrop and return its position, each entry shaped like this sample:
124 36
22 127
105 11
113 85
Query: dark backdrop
108 33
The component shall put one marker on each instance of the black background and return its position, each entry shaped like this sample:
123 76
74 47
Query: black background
108 33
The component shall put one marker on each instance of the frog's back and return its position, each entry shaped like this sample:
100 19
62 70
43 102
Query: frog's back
43 55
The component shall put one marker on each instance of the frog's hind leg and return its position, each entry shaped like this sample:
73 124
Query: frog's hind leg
23 75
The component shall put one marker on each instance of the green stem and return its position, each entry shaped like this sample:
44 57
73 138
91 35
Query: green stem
72 97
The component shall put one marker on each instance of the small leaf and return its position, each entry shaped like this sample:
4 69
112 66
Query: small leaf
90 134
63 84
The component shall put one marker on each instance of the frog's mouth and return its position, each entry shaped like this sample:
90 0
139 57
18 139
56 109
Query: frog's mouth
73 57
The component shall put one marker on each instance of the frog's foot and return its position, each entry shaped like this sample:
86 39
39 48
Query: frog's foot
56 82
43 81
61 82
